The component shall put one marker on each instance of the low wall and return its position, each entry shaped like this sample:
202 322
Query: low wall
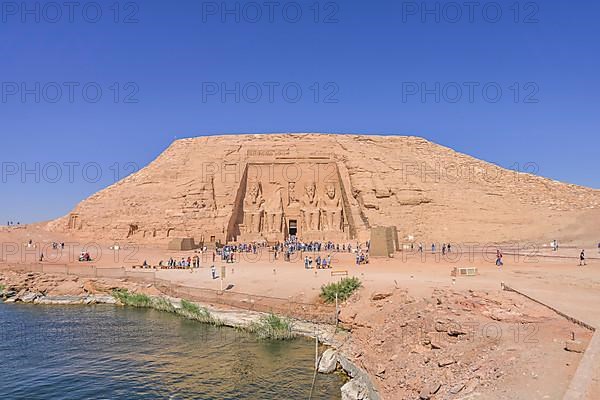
311 312
586 381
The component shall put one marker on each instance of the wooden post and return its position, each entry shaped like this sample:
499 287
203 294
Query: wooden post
336 310
316 348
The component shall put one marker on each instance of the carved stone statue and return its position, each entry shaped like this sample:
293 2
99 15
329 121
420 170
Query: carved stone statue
292 199
331 209
310 208
274 212
253 208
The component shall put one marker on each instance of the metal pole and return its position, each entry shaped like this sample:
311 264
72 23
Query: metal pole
336 310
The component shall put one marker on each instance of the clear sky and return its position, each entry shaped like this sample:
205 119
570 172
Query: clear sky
103 87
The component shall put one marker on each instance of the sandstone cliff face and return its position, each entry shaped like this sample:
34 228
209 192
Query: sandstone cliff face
200 188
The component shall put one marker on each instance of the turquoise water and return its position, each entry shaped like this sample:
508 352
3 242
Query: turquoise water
105 352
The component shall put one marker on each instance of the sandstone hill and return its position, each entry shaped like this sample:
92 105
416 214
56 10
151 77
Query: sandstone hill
320 186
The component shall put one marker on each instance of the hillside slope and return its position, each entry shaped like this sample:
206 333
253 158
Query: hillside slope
430 192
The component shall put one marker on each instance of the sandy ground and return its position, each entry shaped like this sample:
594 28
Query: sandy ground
390 336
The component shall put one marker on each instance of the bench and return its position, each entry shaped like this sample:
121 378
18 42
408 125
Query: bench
464 271
339 273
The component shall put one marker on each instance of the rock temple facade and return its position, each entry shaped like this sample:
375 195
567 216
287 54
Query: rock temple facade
242 188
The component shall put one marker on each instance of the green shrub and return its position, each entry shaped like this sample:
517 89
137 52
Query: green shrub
132 299
162 304
344 289
2 287
272 327
193 311
187 310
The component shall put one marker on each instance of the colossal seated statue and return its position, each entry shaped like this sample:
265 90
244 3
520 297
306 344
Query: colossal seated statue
274 212
310 208
253 208
331 210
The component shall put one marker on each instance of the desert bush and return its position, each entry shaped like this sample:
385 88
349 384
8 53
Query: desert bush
272 327
132 299
193 311
344 289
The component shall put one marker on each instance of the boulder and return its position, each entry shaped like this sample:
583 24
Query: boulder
67 288
380 296
457 388
429 390
328 362
354 390
29 297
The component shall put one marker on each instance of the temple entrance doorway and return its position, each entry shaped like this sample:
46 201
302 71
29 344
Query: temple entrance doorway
293 227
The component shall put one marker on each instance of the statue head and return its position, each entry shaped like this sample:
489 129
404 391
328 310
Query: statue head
254 190
310 190
330 191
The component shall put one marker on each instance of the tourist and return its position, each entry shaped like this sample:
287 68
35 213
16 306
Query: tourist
448 248
306 262
499 262
213 272
432 248
420 247
582 258
444 249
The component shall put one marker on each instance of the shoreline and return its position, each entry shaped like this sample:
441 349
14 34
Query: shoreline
359 385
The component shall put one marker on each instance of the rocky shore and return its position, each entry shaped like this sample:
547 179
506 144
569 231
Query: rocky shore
44 289
456 345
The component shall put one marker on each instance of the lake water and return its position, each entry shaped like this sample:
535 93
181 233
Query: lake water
105 352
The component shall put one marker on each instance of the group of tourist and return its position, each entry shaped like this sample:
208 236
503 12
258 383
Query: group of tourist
190 262
321 262
445 248
227 253
362 258
293 245
84 256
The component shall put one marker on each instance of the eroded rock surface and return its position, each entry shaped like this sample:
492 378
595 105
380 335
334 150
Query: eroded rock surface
333 187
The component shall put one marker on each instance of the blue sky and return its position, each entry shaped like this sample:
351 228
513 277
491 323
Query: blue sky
509 82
